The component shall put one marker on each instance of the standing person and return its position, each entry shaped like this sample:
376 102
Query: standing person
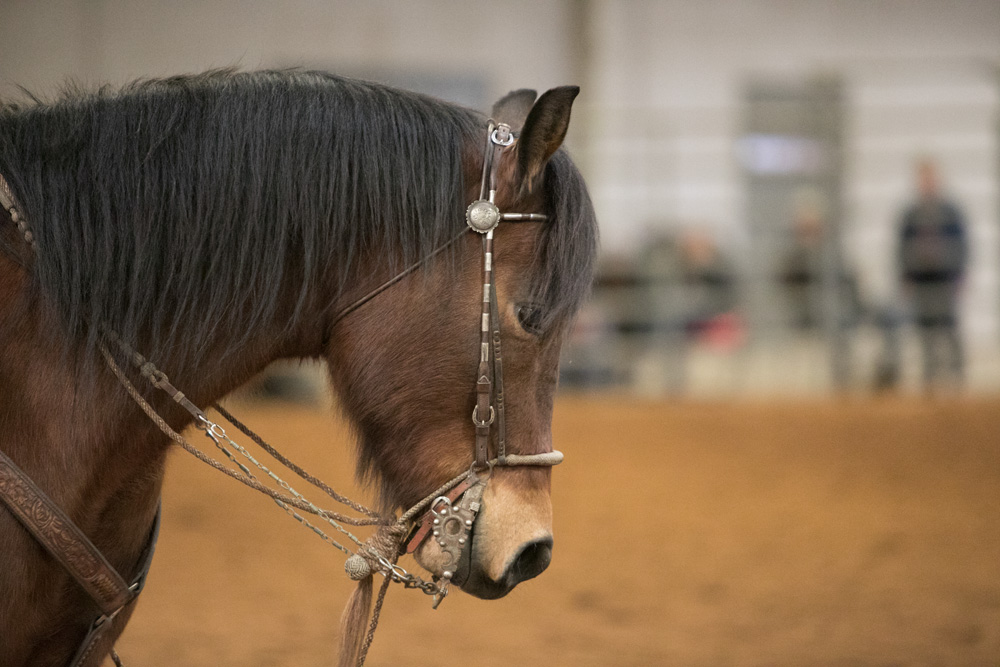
933 253
822 294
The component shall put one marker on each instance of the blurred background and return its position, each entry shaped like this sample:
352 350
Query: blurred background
750 161
788 365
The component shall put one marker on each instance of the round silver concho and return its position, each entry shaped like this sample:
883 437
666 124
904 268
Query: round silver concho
482 216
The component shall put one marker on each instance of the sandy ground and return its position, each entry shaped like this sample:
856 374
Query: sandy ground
818 533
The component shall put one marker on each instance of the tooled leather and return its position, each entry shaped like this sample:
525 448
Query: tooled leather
61 538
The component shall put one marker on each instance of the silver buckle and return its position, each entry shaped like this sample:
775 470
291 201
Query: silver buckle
496 139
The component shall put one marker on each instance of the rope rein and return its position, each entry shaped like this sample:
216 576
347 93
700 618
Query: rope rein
377 554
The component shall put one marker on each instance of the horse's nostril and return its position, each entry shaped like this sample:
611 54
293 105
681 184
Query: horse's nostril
530 561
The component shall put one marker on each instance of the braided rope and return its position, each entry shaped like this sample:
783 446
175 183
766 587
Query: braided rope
159 380
245 477
373 624
291 465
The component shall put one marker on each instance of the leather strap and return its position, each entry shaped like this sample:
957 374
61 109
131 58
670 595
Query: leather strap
498 383
104 623
62 539
498 137
65 542
424 524
484 414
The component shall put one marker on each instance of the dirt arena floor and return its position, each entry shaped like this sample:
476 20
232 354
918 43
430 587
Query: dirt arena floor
801 533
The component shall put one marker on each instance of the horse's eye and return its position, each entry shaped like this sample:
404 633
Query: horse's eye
529 315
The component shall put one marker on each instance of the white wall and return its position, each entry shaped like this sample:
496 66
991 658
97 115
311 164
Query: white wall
42 42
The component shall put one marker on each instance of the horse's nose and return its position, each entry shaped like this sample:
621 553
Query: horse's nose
529 562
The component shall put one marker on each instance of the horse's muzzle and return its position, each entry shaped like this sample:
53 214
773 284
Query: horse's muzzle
529 561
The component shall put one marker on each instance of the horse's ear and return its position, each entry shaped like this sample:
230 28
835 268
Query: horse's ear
513 107
543 132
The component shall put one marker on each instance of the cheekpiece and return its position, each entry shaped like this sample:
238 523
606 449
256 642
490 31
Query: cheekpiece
482 216
452 525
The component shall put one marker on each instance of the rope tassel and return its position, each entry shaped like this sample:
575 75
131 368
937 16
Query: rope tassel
380 549
353 622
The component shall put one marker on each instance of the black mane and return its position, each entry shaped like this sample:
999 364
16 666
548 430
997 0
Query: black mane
160 207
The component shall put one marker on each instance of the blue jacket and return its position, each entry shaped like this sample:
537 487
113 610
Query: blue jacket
933 245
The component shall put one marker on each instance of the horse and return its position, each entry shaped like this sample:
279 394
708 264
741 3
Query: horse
221 221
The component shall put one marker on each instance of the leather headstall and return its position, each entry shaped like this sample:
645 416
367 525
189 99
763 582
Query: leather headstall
451 516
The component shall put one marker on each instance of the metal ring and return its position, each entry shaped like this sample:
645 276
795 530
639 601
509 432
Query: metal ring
477 422
495 140
434 503
211 429
475 472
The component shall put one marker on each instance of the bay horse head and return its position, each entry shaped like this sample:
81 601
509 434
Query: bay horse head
222 221
405 364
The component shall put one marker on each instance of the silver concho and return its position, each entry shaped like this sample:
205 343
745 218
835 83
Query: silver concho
482 215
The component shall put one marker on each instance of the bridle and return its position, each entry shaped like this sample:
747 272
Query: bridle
448 521
448 514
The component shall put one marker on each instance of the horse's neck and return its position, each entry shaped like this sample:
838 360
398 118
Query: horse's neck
79 433
72 446
97 456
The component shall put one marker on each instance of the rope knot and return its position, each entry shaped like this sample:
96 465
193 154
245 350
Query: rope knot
382 547
155 376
